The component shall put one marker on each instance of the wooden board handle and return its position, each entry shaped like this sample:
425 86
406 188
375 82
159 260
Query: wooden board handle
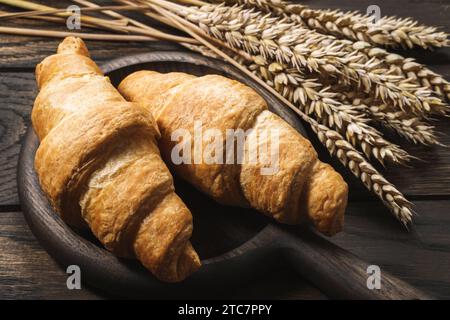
335 271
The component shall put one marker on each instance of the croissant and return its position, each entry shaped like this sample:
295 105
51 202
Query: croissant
99 164
303 188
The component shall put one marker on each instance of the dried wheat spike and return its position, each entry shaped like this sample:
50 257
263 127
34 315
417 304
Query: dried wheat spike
281 40
413 129
347 154
408 126
415 77
361 168
407 67
353 25
276 6
317 101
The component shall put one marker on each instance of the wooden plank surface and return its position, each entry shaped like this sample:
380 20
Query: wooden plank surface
24 52
421 257
28 272
16 92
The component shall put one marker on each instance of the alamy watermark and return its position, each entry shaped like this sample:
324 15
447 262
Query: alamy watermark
73 281
374 279
374 13
210 146
73 21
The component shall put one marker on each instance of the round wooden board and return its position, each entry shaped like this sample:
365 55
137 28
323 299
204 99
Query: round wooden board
231 241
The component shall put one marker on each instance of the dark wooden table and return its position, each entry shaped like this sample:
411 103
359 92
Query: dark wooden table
421 256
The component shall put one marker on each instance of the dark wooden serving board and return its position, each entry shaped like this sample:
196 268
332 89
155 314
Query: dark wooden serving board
235 244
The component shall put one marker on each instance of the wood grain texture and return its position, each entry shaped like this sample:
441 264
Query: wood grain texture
22 52
16 100
421 257
28 272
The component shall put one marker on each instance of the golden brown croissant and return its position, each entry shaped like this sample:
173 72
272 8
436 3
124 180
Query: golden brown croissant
302 189
99 164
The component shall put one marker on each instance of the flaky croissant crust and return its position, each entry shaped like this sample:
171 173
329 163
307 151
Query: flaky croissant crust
99 164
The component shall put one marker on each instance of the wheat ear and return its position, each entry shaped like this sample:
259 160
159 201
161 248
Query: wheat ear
306 50
315 100
405 66
408 126
387 31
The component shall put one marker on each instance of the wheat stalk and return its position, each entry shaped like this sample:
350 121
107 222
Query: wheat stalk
306 50
361 168
28 5
95 22
408 126
389 63
388 31
406 67
352 25
350 120
63 34
12 15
